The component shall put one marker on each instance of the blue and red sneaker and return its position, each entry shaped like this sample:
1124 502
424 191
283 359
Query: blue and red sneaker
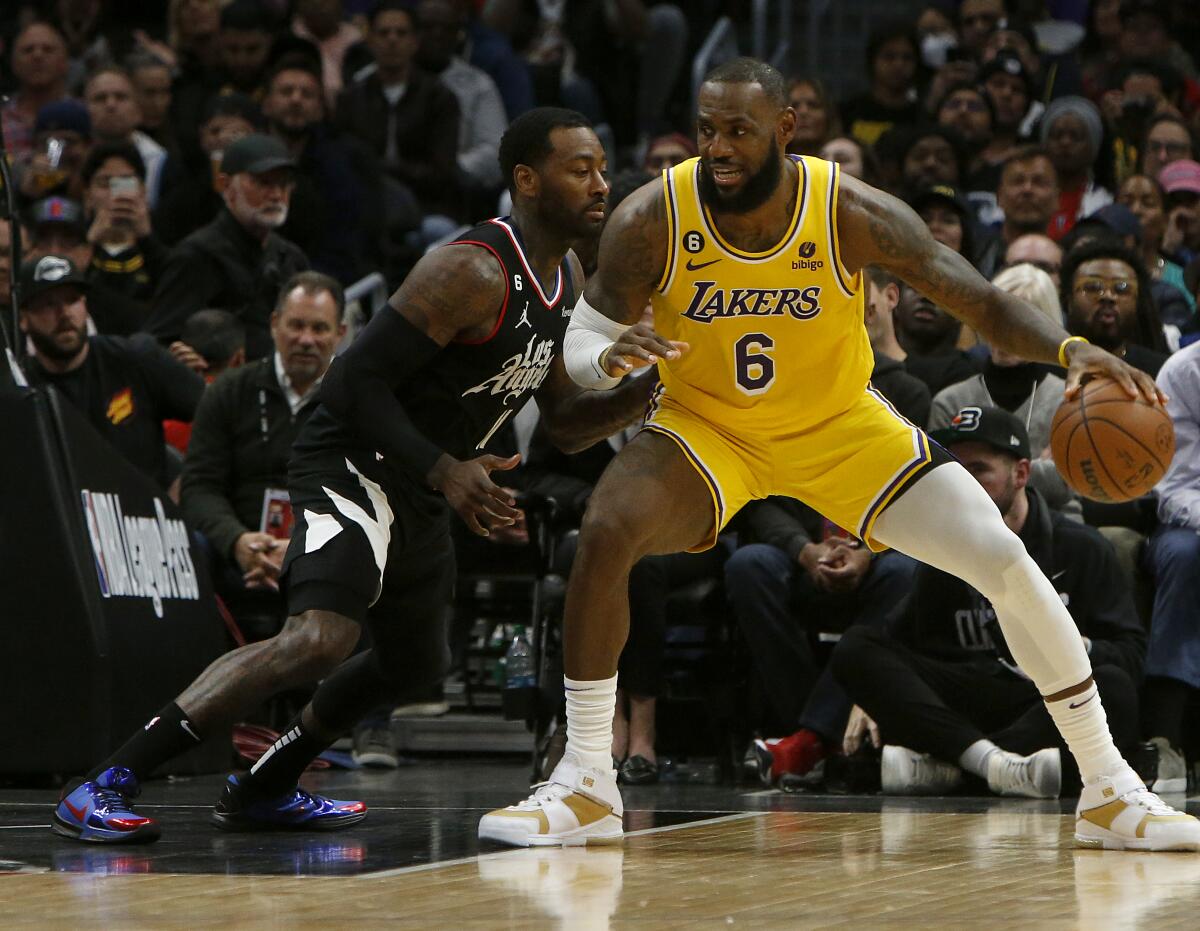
297 810
99 811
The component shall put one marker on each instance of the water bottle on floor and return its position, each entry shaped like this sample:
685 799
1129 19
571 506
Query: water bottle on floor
520 682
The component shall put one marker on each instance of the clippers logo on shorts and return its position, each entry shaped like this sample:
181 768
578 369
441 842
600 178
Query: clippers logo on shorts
137 556
521 373
711 303
120 406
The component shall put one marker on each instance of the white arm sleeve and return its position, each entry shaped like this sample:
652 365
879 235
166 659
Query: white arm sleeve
588 334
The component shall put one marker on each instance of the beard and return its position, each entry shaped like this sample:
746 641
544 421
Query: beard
567 223
271 218
753 194
47 345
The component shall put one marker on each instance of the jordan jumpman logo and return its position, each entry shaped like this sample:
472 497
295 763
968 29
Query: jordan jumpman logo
524 318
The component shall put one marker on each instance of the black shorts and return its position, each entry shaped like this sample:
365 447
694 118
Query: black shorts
367 543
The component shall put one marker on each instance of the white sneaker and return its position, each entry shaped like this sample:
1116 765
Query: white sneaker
1120 813
906 772
578 805
1038 775
1172 768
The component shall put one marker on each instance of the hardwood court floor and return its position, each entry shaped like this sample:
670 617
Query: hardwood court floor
700 855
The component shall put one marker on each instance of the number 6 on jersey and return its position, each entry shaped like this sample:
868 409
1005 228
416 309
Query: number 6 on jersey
755 368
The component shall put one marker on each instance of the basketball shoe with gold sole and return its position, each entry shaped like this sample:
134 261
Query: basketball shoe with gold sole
578 805
1120 813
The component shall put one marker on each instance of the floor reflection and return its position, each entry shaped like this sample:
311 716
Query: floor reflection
580 887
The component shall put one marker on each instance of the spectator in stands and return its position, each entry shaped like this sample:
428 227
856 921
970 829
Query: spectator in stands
236 465
946 214
1030 391
218 339
245 39
978 19
112 105
6 280
855 159
322 23
237 262
1172 557
1116 221
1144 197
907 392
126 256
795 577
1167 140
1146 36
482 121
892 59
1071 132
929 336
124 387
1140 100
1009 86
39 65
409 119
491 51
1028 193
942 686
816 116
152 93
1106 296
968 111
1180 181
62 133
928 156
1038 250
334 214
195 200
666 152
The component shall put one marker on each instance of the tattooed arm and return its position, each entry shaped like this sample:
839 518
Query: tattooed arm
454 292
875 228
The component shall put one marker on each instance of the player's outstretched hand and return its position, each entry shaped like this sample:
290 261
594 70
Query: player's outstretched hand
468 488
1089 360
640 347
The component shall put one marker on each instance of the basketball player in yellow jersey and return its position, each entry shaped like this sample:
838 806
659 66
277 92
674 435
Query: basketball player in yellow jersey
752 262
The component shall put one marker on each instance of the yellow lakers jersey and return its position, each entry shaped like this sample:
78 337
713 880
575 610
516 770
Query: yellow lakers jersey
778 342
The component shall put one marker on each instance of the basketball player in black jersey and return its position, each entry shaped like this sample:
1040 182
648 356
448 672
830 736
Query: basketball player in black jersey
406 414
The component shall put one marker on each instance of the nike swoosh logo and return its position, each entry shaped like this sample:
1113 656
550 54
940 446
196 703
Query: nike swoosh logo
1058 574
79 813
696 266
1082 703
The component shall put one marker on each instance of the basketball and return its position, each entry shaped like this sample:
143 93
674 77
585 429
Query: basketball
1110 447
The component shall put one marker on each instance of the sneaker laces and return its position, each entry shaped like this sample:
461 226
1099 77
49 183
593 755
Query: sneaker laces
108 798
544 793
1015 770
1144 798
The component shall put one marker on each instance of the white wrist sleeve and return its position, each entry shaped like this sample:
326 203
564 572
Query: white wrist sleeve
588 334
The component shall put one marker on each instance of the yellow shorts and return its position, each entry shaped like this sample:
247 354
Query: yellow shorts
847 468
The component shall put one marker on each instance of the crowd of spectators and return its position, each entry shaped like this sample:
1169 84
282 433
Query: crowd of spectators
199 180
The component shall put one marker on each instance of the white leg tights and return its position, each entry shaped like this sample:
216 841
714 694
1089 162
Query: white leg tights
947 520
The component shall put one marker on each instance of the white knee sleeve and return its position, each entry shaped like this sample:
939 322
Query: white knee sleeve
947 520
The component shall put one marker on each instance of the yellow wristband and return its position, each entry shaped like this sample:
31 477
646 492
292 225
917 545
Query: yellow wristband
1062 348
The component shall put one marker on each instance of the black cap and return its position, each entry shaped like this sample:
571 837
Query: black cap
256 154
60 210
1007 62
992 425
942 194
47 273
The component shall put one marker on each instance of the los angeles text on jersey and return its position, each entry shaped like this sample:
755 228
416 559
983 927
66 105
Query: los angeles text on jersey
711 303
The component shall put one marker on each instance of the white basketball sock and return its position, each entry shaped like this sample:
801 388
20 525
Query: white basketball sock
975 758
590 709
1084 726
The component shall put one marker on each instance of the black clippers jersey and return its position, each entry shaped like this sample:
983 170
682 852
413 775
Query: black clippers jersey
465 394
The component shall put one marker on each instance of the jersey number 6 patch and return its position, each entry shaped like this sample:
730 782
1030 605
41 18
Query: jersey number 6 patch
754 366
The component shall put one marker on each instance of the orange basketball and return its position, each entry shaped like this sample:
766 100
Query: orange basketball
1109 447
